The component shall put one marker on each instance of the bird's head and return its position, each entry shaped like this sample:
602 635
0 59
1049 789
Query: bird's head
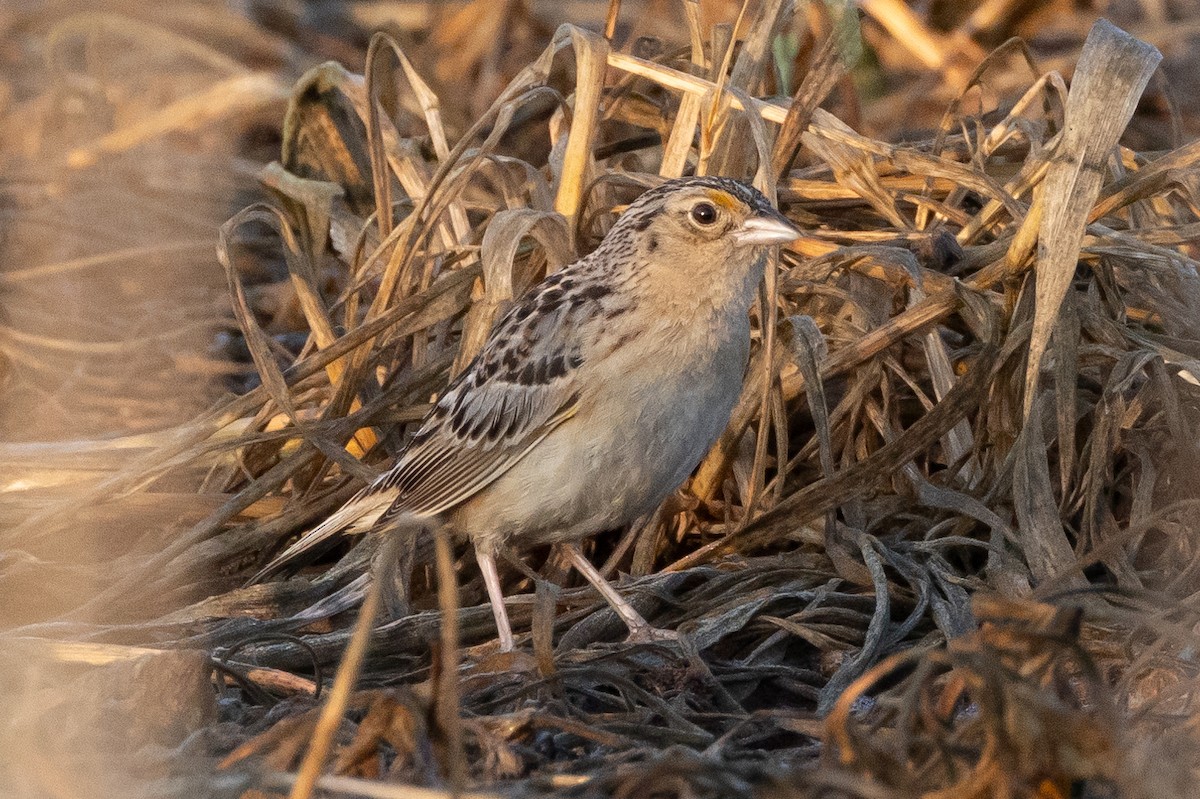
705 229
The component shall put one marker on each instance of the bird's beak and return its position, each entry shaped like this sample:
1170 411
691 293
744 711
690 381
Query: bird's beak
767 227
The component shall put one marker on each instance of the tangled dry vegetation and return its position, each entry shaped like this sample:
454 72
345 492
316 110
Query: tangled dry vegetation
946 547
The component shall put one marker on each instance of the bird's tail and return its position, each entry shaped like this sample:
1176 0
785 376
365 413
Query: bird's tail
358 515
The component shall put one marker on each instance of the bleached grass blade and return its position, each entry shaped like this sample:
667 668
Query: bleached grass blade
683 134
591 57
1112 71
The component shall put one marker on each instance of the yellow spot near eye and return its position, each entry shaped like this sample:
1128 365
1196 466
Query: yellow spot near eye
723 199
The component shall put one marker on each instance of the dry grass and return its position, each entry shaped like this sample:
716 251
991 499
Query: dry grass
947 545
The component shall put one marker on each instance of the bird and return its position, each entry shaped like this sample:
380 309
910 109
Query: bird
594 396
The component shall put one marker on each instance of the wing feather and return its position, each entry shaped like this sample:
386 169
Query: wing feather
359 514
469 470
520 387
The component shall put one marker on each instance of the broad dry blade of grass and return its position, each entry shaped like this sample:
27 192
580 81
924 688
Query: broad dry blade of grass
1113 69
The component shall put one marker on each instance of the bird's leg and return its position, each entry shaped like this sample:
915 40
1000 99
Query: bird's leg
640 630
491 579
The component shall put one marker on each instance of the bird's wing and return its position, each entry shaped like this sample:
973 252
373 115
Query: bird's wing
358 515
521 386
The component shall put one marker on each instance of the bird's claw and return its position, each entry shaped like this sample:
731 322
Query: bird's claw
649 635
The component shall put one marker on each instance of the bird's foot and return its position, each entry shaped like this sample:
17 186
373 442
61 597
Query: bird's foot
513 662
646 634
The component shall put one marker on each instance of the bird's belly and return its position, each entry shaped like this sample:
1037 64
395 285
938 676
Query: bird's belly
617 459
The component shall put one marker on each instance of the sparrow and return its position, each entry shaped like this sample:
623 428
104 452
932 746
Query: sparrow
594 396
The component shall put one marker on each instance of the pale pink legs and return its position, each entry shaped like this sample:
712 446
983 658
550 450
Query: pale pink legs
639 629
491 579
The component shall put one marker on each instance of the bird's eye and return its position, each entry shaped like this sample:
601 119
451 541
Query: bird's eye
704 214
